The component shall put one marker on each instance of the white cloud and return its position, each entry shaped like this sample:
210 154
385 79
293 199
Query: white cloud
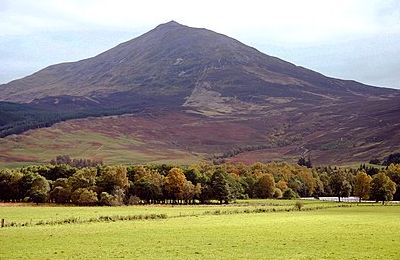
302 21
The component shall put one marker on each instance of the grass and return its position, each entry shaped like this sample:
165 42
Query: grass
331 233
95 141
22 213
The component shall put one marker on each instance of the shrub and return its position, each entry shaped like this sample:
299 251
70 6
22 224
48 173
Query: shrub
298 205
106 199
134 200
277 193
84 196
289 194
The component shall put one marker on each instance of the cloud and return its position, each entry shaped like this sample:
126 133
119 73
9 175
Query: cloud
298 21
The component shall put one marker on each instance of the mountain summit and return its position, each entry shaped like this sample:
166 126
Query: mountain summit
210 80
174 59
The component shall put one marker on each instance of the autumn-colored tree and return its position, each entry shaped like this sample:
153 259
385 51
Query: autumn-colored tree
174 184
362 185
393 172
112 178
282 185
308 182
188 192
115 199
382 188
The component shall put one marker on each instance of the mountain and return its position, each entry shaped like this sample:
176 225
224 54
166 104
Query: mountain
205 79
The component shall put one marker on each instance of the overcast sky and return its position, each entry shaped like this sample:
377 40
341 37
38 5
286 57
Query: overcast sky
347 39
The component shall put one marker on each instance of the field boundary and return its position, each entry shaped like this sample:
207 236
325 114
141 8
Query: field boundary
115 218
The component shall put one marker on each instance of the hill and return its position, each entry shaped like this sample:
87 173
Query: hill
212 96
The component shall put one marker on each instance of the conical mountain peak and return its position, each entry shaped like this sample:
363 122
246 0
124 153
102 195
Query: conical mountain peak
170 24
173 59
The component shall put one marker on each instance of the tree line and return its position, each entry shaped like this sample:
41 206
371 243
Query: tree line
88 183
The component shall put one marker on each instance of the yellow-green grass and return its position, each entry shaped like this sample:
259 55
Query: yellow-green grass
368 232
32 214
42 145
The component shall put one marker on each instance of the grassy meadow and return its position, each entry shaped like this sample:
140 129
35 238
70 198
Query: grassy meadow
321 230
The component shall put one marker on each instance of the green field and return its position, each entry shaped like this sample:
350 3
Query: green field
206 232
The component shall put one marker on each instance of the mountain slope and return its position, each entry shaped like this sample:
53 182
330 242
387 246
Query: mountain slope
215 96
173 58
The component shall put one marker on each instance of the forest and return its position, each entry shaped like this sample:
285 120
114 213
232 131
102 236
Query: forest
86 182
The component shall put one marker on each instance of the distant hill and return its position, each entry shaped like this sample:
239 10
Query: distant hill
274 109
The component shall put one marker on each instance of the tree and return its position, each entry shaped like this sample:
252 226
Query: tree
40 190
362 185
393 172
174 184
236 186
339 184
265 186
9 185
112 178
305 162
83 178
249 182
54 172
220 187
307 181
60 195
188 191
282 185
25 183
392 158
148 186
116 199
84 197
382 188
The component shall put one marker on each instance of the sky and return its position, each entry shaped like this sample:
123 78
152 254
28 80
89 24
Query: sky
349 39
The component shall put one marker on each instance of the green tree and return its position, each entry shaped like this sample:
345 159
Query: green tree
60 195
83 178
148 186
362 185
382 188
9 185
39 191
220 186
84 197
339 184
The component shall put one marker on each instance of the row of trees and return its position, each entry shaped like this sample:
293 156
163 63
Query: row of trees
200 183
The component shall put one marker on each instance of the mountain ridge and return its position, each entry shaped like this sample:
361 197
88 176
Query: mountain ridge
200 79
130 65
